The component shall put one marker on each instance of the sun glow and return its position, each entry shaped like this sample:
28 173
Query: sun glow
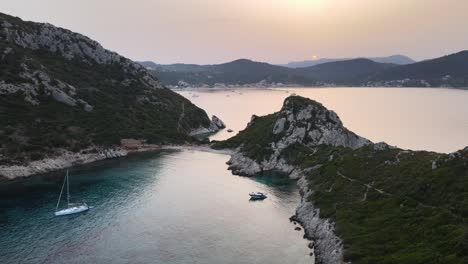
303 6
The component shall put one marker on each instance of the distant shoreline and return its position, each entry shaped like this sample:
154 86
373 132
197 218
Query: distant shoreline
307 87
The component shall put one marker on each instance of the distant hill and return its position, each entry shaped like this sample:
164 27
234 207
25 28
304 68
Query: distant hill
178 67
394 59
350 72
243 72
445 71
448 70
238 72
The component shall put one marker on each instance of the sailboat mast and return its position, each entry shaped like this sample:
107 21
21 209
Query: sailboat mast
61 191
68 190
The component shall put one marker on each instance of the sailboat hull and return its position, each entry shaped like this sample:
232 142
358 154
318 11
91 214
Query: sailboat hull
72 210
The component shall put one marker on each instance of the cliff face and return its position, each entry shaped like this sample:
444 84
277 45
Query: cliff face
361 202
20 39
300 121
61 91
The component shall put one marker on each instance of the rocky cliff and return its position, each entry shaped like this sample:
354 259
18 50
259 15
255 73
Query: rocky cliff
300 121
361 202
61 91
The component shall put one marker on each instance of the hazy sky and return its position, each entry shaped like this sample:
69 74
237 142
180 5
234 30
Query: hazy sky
277 31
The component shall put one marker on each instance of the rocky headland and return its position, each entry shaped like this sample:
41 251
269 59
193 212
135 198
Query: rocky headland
360 200
66 100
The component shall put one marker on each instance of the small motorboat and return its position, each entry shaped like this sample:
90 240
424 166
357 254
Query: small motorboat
230 130
257 195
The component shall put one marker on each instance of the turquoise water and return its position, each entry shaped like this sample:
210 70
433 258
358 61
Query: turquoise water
185 207
164 207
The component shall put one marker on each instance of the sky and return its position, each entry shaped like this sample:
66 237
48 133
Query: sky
275 31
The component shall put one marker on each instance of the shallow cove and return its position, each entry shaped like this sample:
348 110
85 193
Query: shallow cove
163 207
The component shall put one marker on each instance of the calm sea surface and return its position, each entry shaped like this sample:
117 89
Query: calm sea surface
185 207
165 207
432 119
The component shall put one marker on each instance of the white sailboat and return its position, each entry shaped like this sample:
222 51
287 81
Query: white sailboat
71 208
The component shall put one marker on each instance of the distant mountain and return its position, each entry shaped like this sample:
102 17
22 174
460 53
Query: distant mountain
61 92
149 64
349 72
448 70
177 67
238 72
395 59
244 72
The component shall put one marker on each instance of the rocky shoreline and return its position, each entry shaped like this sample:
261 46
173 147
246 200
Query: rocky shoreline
65 159
326 245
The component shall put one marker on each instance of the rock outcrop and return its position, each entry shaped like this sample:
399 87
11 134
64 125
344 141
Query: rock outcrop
216 124
300 121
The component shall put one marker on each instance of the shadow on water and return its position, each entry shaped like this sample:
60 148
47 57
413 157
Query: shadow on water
31 191
136 215
27 204
279 184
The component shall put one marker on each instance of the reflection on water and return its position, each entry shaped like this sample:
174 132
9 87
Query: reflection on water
164 207
432 119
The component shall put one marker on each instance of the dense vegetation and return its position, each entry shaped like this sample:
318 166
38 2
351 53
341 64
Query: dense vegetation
236 72
450 70
389 205
124 105
254 140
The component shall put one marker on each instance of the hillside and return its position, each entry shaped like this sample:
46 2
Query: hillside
349 72
238 72
394 59
60 90
247 72
448 70
361 202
